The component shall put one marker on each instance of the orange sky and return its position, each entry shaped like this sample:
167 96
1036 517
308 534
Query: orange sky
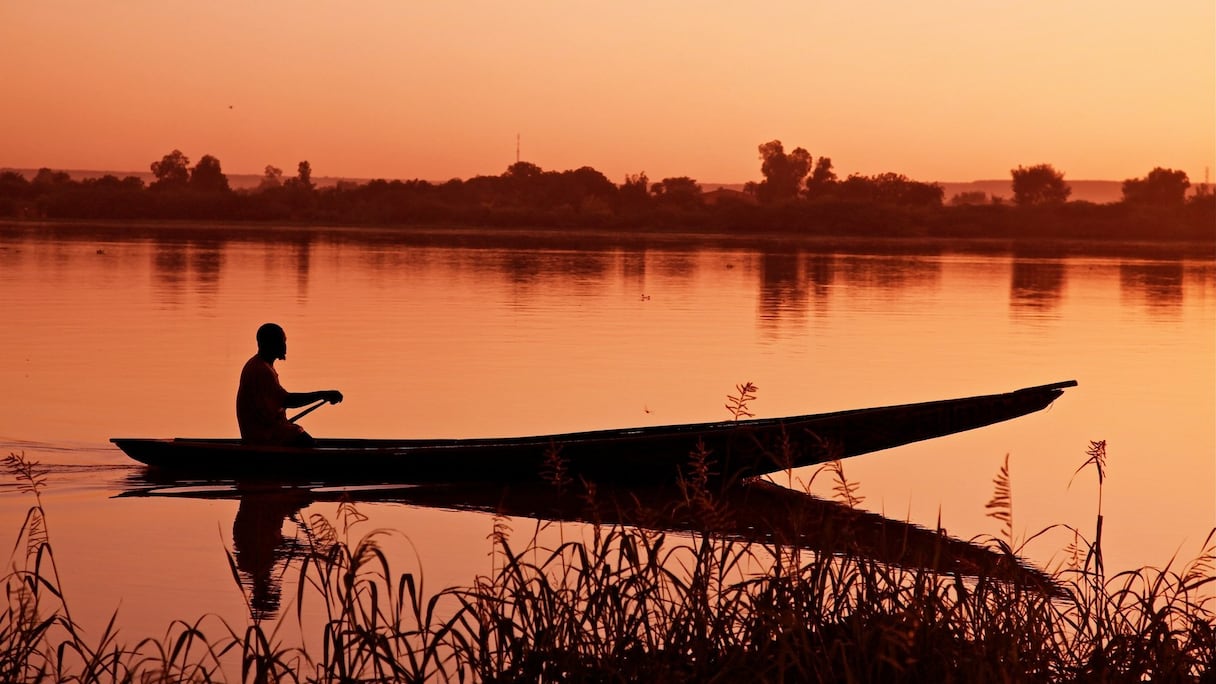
938 90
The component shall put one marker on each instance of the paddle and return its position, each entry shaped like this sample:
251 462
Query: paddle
308 410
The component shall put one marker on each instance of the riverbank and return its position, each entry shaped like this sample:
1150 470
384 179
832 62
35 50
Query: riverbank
557 238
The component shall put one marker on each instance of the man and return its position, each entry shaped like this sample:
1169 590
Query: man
262 403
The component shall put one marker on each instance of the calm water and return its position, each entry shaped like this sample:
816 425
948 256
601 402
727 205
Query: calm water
143 333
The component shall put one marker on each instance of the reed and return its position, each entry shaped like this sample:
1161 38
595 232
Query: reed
628 604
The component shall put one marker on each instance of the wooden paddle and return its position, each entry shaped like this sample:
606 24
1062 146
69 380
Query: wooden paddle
308 410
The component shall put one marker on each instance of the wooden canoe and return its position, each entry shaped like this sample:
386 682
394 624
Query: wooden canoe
731 450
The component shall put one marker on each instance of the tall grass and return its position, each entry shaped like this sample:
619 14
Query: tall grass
627 604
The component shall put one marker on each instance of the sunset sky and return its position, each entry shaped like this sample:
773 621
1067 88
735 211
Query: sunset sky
938 90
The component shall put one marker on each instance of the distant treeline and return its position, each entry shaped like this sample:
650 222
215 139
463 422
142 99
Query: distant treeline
798 195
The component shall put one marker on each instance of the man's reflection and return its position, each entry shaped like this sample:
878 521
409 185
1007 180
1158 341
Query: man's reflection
261 550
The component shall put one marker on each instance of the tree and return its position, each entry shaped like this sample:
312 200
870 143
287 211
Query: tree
783 173
172 171
1039 184
1161 188
891 189
969 197
46 179
522 170
635 191
207 176
821 180
112 182
14 191
272 177
586 181
681 191
304 175
521 184
13 184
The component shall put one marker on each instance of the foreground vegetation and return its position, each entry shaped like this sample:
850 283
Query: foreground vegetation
634 605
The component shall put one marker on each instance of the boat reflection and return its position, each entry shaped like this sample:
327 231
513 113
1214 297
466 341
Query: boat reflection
757 511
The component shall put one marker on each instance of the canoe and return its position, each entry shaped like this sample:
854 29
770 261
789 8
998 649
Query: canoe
723 451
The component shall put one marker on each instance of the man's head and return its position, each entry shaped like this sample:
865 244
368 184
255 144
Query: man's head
272 342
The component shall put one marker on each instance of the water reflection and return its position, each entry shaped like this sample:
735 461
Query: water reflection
583 266
522 268
206 263
783 293
1157 284
792 287
169 272
1036 285
574 272
759 512
302 254
184 267
675 265
633 270
10 255
890 273
821 270
261 551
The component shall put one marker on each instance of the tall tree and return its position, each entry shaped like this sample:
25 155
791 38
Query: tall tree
523 183
821 180
1039 184
1161 187
304 175
206 176
783 173
172 171
272 177
635 191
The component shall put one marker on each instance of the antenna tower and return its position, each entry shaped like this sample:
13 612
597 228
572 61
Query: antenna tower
516 148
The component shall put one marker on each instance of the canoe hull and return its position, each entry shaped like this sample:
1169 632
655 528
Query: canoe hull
723 451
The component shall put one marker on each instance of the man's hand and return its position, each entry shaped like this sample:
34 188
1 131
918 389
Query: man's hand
332 396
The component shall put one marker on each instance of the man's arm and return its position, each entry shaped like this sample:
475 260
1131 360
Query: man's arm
297 399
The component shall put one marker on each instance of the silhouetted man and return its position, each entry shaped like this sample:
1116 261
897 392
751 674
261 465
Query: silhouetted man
262 403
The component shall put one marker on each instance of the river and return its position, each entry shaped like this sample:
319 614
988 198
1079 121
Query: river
142 331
